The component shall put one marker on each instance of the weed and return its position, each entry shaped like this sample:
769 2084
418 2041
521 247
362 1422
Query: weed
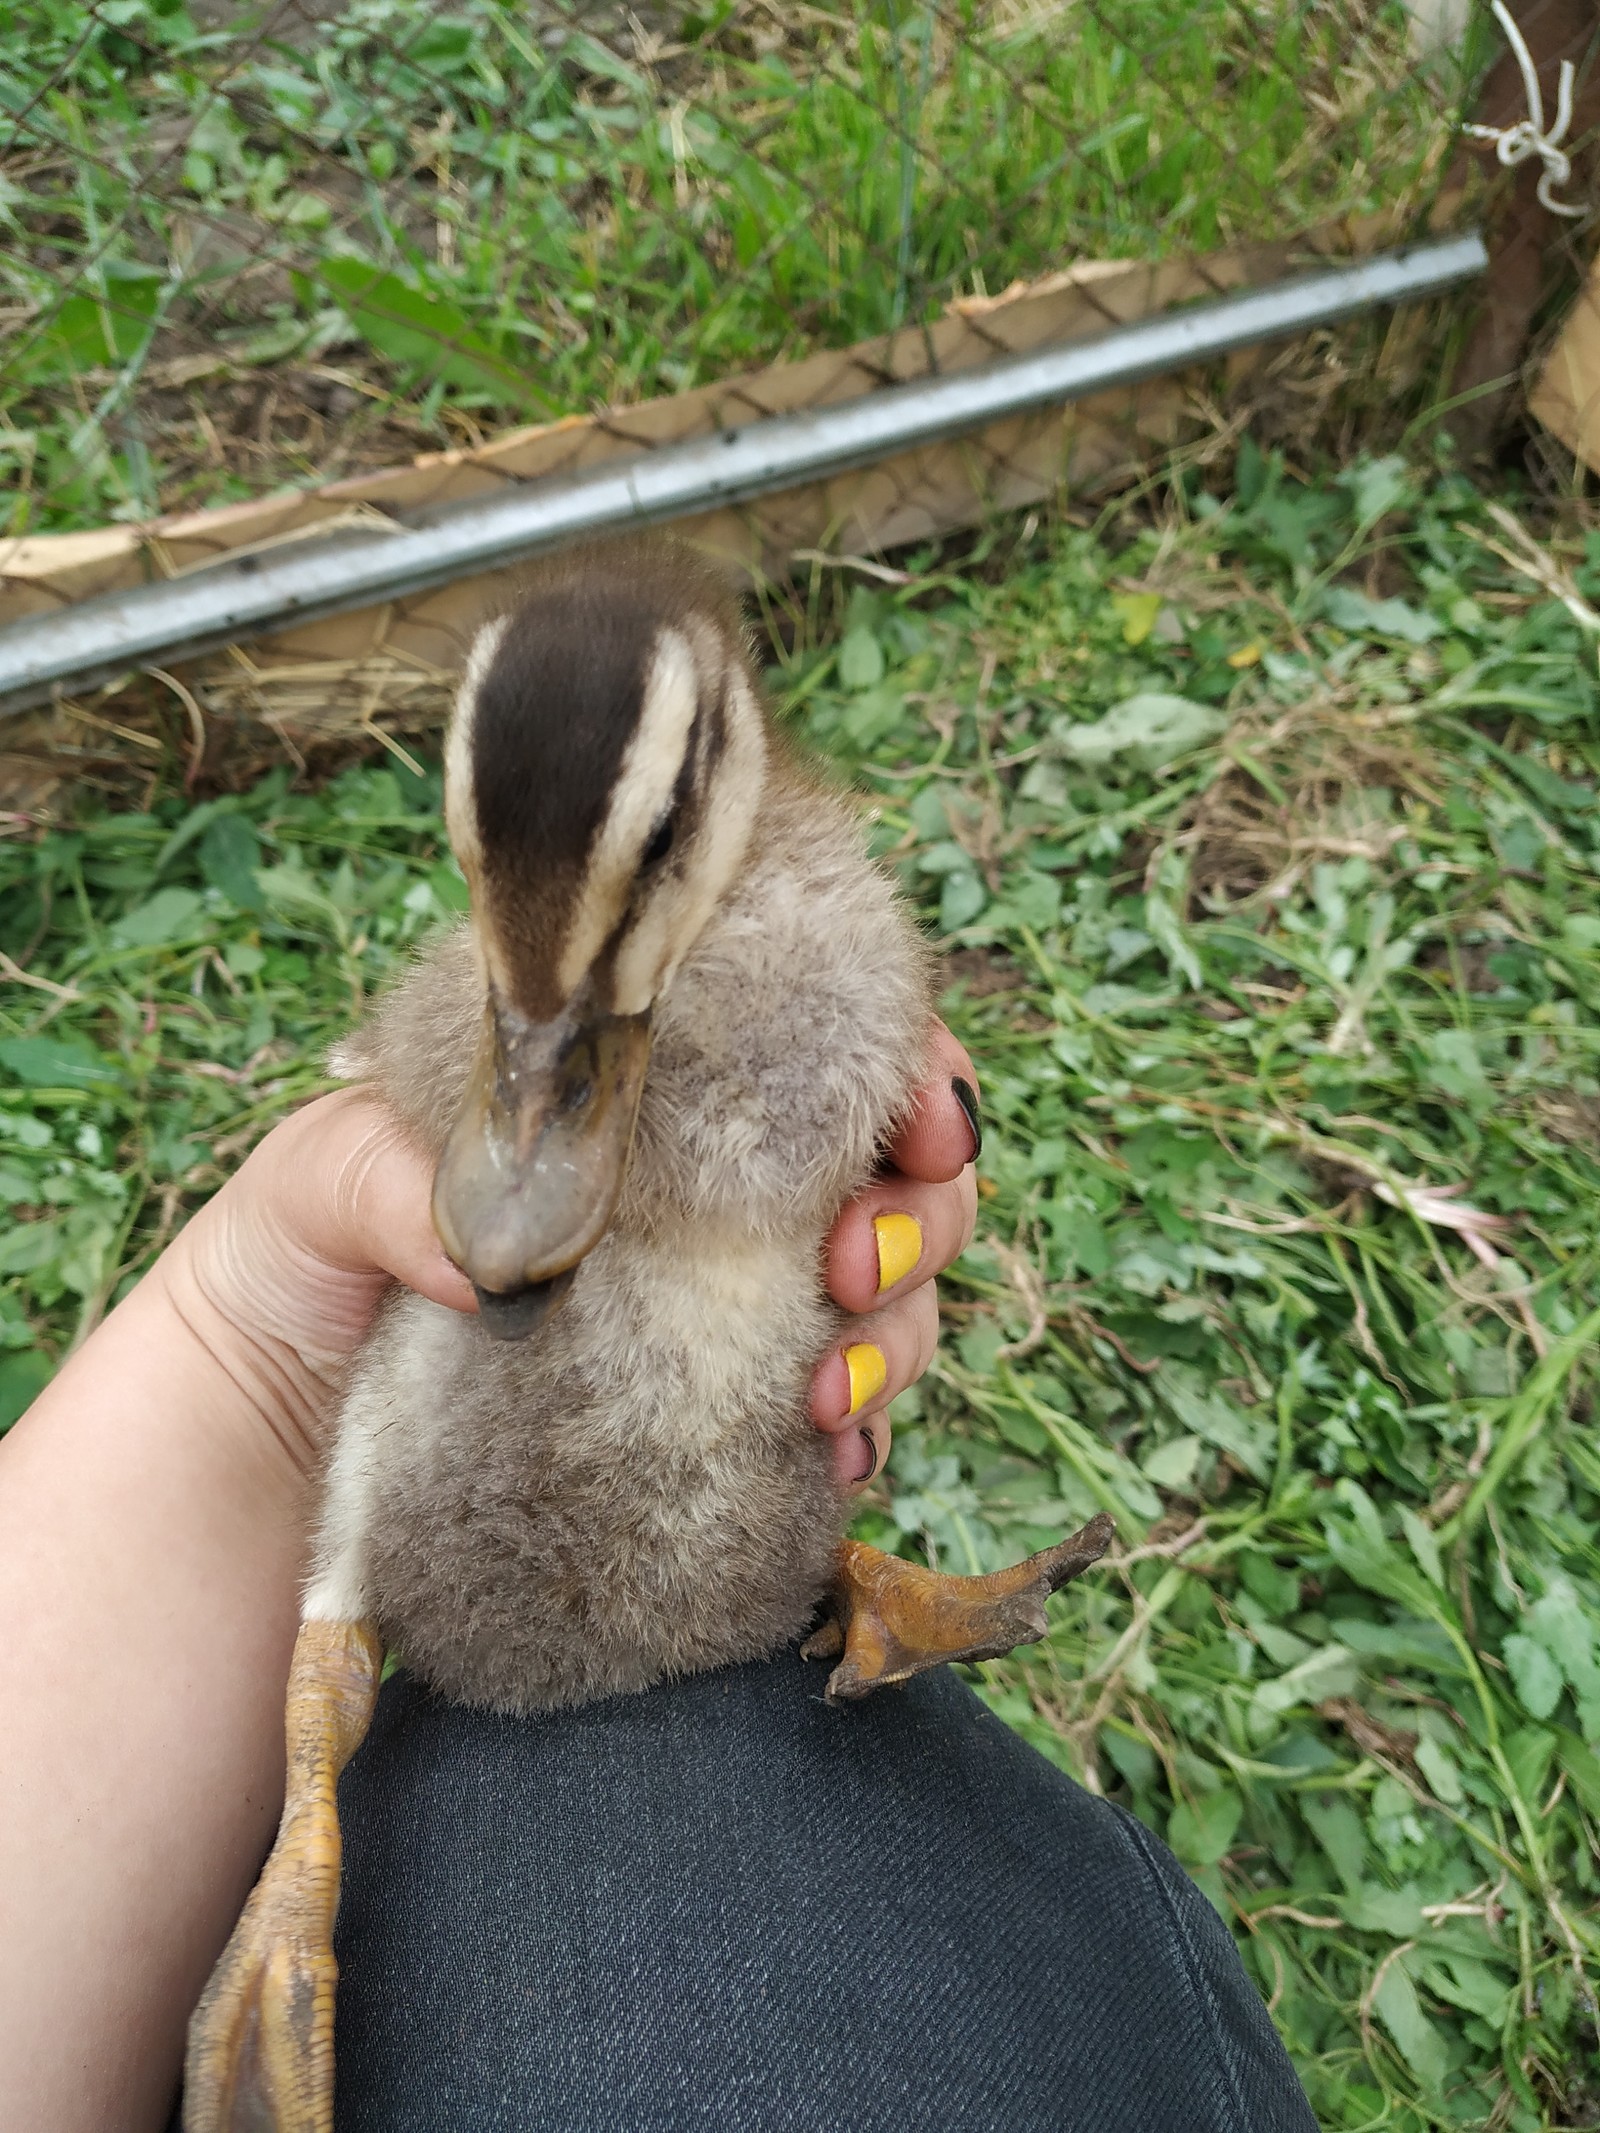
1265 846
290 247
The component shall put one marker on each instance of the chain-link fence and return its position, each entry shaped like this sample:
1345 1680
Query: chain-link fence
272 271
252 248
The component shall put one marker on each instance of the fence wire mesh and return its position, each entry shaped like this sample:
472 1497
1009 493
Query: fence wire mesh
252 248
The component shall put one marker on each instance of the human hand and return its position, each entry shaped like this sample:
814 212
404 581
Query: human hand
883 1253
281 1273
163 1483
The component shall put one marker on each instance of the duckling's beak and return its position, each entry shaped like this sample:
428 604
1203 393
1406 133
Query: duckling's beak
531 1173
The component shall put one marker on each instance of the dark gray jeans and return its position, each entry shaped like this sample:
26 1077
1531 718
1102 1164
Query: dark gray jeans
722 1905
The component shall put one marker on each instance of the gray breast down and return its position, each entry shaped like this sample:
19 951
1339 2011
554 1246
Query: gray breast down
638 1491
635 1493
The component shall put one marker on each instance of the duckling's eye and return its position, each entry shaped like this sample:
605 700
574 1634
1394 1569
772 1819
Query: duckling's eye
660 844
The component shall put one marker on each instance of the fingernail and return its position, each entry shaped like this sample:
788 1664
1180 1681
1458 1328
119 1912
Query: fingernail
871 1443
899 1247
967 1097
868 1373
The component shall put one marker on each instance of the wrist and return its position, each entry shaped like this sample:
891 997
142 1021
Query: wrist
258 1391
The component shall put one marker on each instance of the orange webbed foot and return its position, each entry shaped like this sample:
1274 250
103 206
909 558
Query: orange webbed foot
892 1619
260 2056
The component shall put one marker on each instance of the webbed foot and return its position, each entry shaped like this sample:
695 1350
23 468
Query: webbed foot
260 2057
892 1619
261 2041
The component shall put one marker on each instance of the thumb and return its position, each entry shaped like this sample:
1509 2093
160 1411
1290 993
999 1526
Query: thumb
371 1206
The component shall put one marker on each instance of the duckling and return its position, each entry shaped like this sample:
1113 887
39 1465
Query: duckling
673 1037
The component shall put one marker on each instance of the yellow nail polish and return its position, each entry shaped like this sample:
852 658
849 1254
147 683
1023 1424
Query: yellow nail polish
868 1372
899 1247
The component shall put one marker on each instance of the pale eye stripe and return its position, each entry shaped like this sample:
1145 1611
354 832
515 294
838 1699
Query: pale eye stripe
672 919
461 819
645 784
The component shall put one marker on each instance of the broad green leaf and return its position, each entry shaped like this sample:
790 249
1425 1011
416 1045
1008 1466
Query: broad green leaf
1397 1912
1376 487
1341 1833
1201 1831
872 714
294 889
1172 1465
271 343
1415 2037
1423 1545
1213 1416
1330 1671
1582 1766
1274 1587
1560 1622
1381 1568
27 1245
230 852
443 46
1134 1758
1147 731
1469 1984
960 901
23 1377
194 825
1530 1751
55 1062
1348 609
1534 1674
1439 1767
92 329
598 59
169 915
423 331
860 658
1456 1066
945 857
1167 931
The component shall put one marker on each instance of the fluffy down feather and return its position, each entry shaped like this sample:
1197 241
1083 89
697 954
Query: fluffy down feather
638 1491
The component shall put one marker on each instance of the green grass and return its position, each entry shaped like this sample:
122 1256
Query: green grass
1235 968
228 261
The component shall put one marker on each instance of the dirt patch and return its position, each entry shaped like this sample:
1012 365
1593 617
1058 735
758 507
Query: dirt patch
981 974
1572 1116
1308 784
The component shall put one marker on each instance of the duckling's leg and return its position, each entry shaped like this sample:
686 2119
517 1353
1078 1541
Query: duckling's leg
260 2056
892 1619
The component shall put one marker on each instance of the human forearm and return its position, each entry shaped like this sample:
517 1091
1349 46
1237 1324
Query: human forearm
154 1507
151 1535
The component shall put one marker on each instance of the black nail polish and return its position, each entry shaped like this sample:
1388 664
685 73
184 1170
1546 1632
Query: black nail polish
967 1097
871 1444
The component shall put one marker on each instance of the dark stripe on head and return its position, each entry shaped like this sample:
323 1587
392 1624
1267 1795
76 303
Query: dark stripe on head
711 738
554 716
551 725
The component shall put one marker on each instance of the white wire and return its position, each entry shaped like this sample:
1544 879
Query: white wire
1515 144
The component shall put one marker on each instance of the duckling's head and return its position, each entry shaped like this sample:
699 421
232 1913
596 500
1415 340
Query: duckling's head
602 772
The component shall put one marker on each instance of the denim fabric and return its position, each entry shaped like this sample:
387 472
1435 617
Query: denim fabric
721 1904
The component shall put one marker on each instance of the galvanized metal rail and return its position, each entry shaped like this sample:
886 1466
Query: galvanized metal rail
253 595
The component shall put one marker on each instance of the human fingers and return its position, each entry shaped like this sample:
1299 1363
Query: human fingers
374 1208
875 1359
942 1132
302 1241
898 1234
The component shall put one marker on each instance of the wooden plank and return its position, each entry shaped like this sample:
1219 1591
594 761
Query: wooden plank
920 494
392 666
1566 393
